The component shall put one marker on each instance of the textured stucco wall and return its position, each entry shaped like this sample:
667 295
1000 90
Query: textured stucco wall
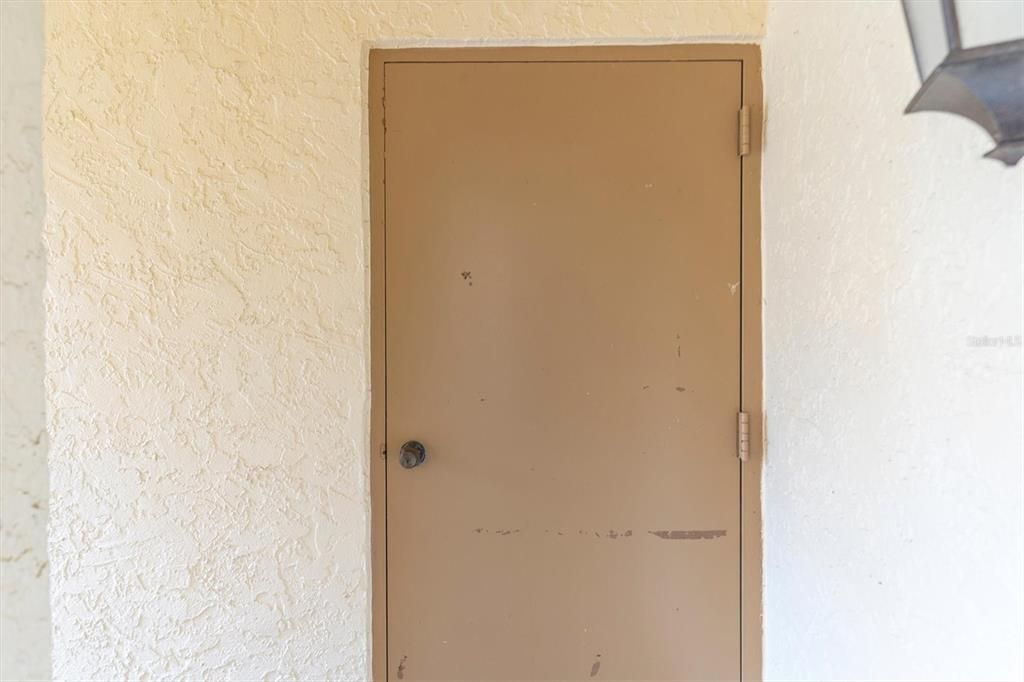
207 330
894 544
24 601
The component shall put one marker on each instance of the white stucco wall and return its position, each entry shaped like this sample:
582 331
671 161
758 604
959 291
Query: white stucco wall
208 306
894 544
24 602
207 341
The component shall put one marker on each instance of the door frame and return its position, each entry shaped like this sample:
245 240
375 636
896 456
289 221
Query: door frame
751 391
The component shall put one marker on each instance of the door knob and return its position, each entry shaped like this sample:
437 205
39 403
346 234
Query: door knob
412 454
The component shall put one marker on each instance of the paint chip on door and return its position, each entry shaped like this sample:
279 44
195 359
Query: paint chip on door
688 534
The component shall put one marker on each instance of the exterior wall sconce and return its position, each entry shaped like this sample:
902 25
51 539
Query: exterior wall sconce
970 56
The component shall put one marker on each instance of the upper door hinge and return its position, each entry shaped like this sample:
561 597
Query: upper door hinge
744 125
743 436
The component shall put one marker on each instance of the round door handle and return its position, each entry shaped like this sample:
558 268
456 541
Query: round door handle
412 454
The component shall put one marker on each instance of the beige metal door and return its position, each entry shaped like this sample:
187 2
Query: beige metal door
562 306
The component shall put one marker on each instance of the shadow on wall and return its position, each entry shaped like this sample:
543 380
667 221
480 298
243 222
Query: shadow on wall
24 575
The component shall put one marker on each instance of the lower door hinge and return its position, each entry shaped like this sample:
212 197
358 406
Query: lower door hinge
744 124
743 436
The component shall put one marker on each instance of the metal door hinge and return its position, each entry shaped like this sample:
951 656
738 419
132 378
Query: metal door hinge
744 136
743 436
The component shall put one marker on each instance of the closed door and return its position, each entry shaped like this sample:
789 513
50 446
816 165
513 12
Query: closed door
562 306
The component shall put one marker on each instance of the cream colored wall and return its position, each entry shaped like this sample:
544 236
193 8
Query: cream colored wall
207 331
24 600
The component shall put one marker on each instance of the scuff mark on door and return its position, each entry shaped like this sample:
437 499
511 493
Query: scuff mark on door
688 534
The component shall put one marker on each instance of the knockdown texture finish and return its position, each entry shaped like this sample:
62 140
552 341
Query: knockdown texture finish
563 316
207 325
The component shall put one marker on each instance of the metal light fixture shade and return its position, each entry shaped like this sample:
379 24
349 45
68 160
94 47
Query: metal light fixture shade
984 83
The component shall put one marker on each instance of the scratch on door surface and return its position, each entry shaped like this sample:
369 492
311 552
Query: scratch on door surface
688 534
